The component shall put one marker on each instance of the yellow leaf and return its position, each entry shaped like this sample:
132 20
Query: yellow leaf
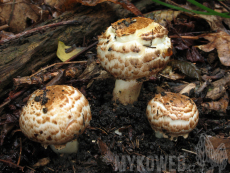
62 55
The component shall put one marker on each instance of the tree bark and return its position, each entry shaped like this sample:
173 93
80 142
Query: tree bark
19 57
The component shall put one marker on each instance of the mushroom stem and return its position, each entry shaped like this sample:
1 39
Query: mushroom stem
126 92
172 137
70 147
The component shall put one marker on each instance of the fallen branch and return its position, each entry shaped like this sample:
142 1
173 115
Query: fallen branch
33 80
5 161
59 63
12 96
38 29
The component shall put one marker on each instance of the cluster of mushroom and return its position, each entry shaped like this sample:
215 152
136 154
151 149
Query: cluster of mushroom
131 50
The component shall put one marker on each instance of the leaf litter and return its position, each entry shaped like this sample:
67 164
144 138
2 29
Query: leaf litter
219 41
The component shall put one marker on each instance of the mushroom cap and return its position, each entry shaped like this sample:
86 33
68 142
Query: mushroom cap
134 48
55 115
172 113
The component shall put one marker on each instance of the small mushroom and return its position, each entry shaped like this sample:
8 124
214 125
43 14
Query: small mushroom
56 116
132 50
171 115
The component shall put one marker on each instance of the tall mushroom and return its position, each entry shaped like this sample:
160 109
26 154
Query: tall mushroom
132 50
171 115
56 116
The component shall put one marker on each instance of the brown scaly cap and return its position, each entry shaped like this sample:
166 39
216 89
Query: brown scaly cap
55 115
129 26
134 48
172 113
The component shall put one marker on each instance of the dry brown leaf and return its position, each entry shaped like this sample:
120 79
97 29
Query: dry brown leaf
42 162
193 55
220 41
92 70
216 93
64 5
22 12
168 73
186 90
215 22
163 16
107 156
186 68
220 106
222 82
216 142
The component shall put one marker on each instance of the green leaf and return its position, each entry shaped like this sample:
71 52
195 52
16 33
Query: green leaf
210 11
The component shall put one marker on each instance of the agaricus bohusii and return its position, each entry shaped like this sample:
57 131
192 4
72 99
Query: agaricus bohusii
56 116
132 50
171 115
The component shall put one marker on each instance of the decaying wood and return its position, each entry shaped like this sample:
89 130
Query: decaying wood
70 72
20 56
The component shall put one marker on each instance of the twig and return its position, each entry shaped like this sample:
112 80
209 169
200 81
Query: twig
199 131
97 128
185 37
74 170
174 3
50 168
11 163
20 153
40 28
31 168
70 72
33 80
17 130
11 97
4 27
56 79
189 151
203 86
5 102
59 63
12 12
225 6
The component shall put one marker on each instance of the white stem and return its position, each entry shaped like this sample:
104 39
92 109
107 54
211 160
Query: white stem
173 137
70 147
126 92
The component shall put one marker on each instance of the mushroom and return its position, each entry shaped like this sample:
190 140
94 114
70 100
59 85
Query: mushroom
132 50
171 115
56 116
